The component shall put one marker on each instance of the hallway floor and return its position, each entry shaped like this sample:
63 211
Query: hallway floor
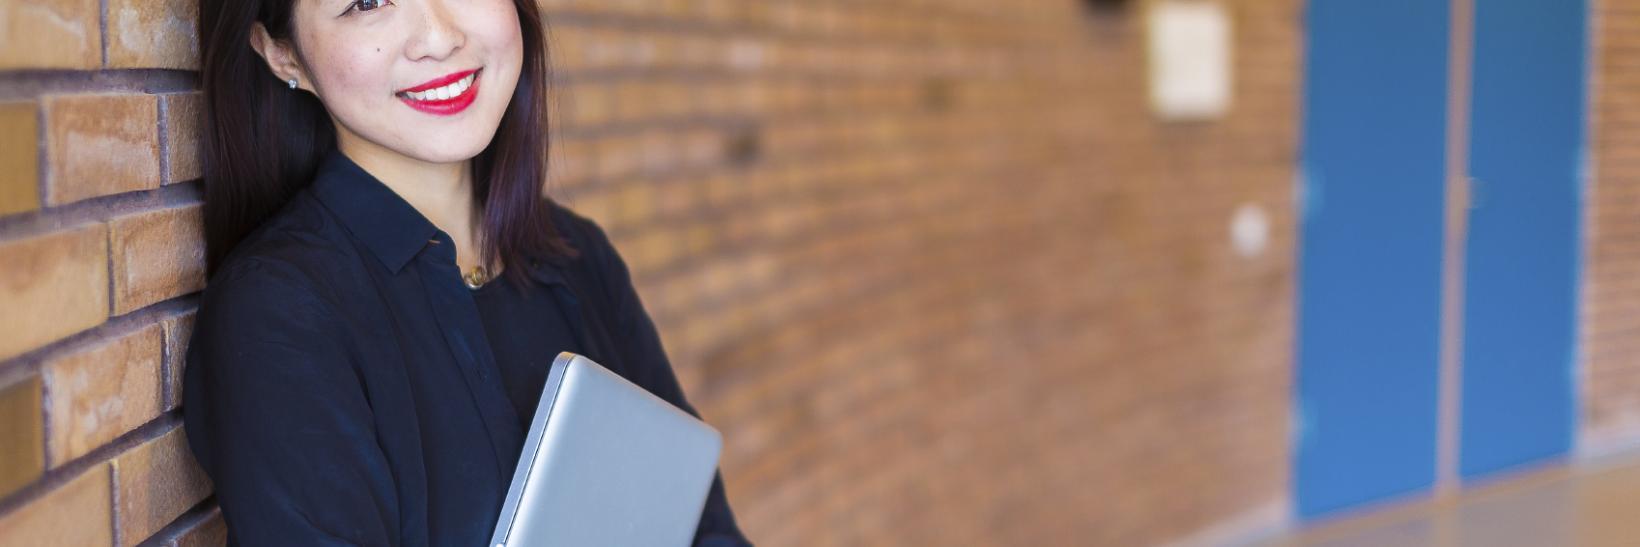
1597 504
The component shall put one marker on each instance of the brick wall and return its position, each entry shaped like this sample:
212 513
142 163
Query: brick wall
929 265
1611 311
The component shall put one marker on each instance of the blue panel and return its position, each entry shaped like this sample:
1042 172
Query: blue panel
1370 257
1526 142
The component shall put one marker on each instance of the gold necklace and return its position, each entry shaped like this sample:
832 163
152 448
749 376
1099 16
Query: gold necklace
476 277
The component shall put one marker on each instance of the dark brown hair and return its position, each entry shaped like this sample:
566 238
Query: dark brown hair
263 143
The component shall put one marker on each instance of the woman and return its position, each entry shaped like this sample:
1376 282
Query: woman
388 284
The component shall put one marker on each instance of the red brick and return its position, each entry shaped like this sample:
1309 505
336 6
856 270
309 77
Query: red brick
184 118
99 145
618 156
156 255
178 329
587 105
100 392
1612 400
634 204
209 531
157 481
597 205
65 272
50 34
77 513
565 45
22 440
571 165
153 34
19 153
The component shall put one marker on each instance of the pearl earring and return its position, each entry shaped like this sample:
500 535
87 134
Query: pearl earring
292 83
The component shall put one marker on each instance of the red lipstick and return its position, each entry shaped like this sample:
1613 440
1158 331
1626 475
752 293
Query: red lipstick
443 96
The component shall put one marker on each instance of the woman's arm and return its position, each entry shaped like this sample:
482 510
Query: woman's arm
641 343
277 416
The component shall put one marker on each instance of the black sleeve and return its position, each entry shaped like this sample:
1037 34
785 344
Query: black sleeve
278 418
641 344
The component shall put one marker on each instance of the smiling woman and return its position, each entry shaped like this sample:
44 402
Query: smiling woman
353 377
358 59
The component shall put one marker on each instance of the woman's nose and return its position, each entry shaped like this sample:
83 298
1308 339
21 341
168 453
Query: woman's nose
439 35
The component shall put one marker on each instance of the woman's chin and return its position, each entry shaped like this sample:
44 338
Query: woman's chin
446 153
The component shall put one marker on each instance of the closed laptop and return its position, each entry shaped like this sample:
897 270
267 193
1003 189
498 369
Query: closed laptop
606 462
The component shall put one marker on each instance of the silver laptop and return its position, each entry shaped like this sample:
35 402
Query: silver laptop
607 462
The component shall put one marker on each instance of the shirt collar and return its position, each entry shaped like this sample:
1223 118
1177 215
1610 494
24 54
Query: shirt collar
390 227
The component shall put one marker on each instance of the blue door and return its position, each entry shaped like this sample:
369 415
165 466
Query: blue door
1373 203
1522 255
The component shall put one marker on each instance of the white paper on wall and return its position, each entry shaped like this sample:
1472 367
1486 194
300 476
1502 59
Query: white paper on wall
1189 59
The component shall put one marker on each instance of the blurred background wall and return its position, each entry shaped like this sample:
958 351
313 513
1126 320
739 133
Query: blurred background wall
933 267
1611 296
929 265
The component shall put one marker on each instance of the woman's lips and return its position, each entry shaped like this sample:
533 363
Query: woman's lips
445 96
441 81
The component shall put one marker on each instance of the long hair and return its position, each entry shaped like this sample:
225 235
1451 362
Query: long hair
263 143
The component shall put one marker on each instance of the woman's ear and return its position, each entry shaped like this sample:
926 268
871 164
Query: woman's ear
280 56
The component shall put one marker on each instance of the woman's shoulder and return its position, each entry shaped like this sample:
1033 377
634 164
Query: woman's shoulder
596 259
296 248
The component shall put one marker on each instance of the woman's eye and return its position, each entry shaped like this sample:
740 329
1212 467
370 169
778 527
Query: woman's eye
365 5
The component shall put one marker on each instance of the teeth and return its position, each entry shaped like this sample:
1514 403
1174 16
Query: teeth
443 93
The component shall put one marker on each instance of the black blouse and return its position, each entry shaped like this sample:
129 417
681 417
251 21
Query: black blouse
341 387
526 330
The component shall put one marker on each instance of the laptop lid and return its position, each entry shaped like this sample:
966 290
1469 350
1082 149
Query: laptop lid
606 462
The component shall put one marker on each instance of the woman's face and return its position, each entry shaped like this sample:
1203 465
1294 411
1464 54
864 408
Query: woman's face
427 79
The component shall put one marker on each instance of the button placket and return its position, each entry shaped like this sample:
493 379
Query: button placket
457 315
444 259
